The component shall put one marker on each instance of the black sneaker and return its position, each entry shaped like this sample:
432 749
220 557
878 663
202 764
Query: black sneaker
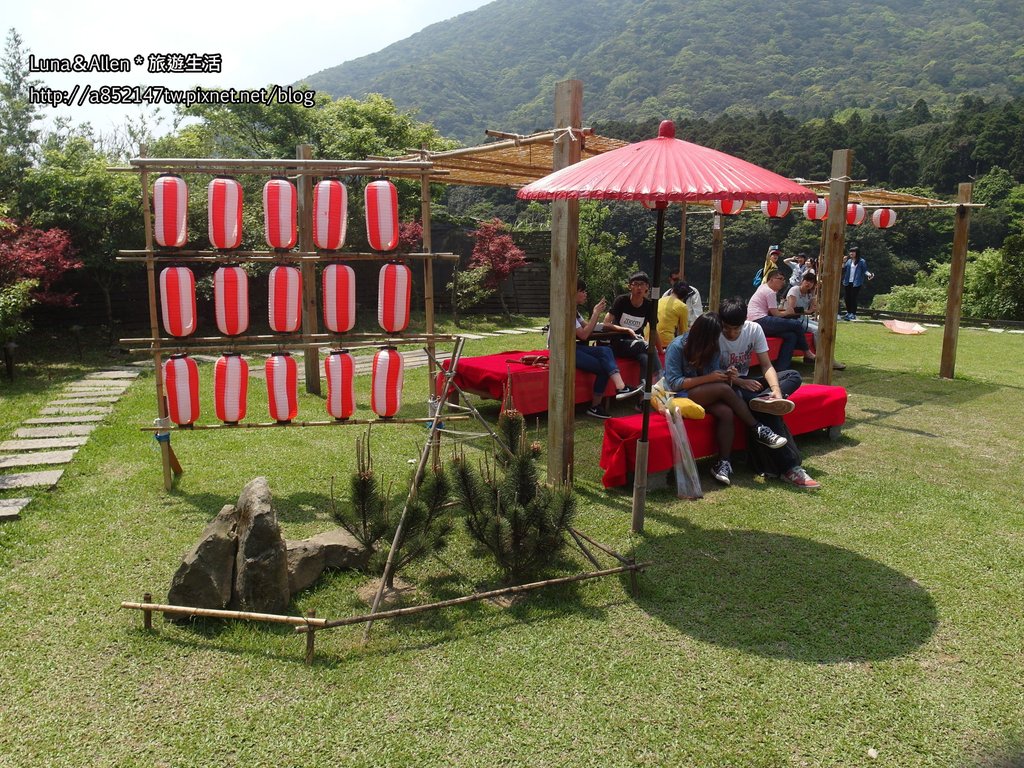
627 392
766 436
722 472
598 412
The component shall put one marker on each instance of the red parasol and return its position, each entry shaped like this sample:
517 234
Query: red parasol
657 172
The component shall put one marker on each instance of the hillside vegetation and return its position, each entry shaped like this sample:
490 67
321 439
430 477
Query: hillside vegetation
641 59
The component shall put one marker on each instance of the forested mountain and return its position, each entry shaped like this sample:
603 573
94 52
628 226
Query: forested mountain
644 59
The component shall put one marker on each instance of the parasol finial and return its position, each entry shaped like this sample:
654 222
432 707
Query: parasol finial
667 130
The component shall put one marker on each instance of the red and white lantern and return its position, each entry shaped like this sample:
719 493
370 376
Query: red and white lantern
285 299
224 213
340 372
330 214
181 387
231 387
382 215
816 210
231 300
729 207
279 214
282 387
170 206
394 294
339 297
388 375
178 300
883 218
855 214
775 209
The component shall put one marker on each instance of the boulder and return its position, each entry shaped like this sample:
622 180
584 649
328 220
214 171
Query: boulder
308 558
261 564
205 577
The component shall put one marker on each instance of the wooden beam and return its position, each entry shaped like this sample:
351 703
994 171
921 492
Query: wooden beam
830 264
564 242
954 298
311 356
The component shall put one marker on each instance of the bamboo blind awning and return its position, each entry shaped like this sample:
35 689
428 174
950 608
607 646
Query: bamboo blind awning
512 161
883 198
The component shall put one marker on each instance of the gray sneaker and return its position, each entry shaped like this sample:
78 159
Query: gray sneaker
775 406
722 472
766 436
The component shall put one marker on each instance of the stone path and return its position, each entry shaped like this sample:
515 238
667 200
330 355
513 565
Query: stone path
52 438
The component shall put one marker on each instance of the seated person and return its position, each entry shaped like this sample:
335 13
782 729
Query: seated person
693 370
630 313
673 312
597 360
767 394
764 310
802 304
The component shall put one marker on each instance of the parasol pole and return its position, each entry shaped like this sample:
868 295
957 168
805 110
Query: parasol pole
640 470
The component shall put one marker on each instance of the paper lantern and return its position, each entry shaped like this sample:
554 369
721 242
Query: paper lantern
230 387
775 209
330 214
224 213
816 210
181 388
394 293
279 201
178 300
340 372
170 206
855 214
231 300
339 298
285 299
883 218
282 386
729 207
386 388
382 215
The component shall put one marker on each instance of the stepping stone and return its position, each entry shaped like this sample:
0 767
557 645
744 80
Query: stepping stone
1014 331
46 479
511 332
65 420
931 325
86 401
95 409
102 375
42 443
121 384
471 336
85 390
68 431
529 330
10 509
37 457
995 330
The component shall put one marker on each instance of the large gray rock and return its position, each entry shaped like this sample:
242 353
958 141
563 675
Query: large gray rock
308 558
206 575
261 564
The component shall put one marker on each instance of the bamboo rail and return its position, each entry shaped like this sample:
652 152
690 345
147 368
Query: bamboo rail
215 613
293 423
227 257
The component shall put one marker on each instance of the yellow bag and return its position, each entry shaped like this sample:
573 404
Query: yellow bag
662 400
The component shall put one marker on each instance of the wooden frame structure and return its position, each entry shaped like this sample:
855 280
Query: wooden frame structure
303 169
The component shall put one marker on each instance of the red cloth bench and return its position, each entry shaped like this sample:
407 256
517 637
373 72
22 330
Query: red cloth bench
486 376
775 344
818 406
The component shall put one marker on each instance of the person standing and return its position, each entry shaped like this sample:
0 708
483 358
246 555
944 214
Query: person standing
771 261
674 313
763 309
854 274
630 313
798 264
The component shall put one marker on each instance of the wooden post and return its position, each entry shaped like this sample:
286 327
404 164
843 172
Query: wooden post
310 639
954 298
682 244
311 355
147 616
831 264
163 438
428 296
564 242
717 248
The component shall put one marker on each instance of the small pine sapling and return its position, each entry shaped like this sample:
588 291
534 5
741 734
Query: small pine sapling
368 518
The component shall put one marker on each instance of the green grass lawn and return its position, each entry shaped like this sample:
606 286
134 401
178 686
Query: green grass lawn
876 622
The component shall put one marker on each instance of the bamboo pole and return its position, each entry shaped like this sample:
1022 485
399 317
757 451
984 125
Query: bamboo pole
311 357
414 486
300 165
428 301
955 294
216 613
230 257
830 265
717 248
514 590
293 423
682 246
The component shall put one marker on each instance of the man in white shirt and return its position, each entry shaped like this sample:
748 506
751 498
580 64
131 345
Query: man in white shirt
763 309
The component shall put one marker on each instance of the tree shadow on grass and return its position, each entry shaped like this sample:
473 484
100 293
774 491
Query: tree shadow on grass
783 596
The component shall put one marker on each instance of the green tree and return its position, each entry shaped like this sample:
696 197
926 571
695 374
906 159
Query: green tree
600 263
18 115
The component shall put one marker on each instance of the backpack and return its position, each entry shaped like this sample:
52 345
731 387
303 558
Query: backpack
758 276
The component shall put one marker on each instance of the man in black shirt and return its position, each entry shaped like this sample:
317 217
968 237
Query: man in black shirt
630 313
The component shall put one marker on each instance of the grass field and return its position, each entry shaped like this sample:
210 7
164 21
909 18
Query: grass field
876 622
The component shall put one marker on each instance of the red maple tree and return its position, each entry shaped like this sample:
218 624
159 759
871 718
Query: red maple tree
44 255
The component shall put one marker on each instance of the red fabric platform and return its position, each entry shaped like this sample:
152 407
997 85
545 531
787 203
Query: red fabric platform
817 407
775 344
486 376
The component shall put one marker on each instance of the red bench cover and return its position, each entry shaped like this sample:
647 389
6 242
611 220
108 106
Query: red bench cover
818 406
